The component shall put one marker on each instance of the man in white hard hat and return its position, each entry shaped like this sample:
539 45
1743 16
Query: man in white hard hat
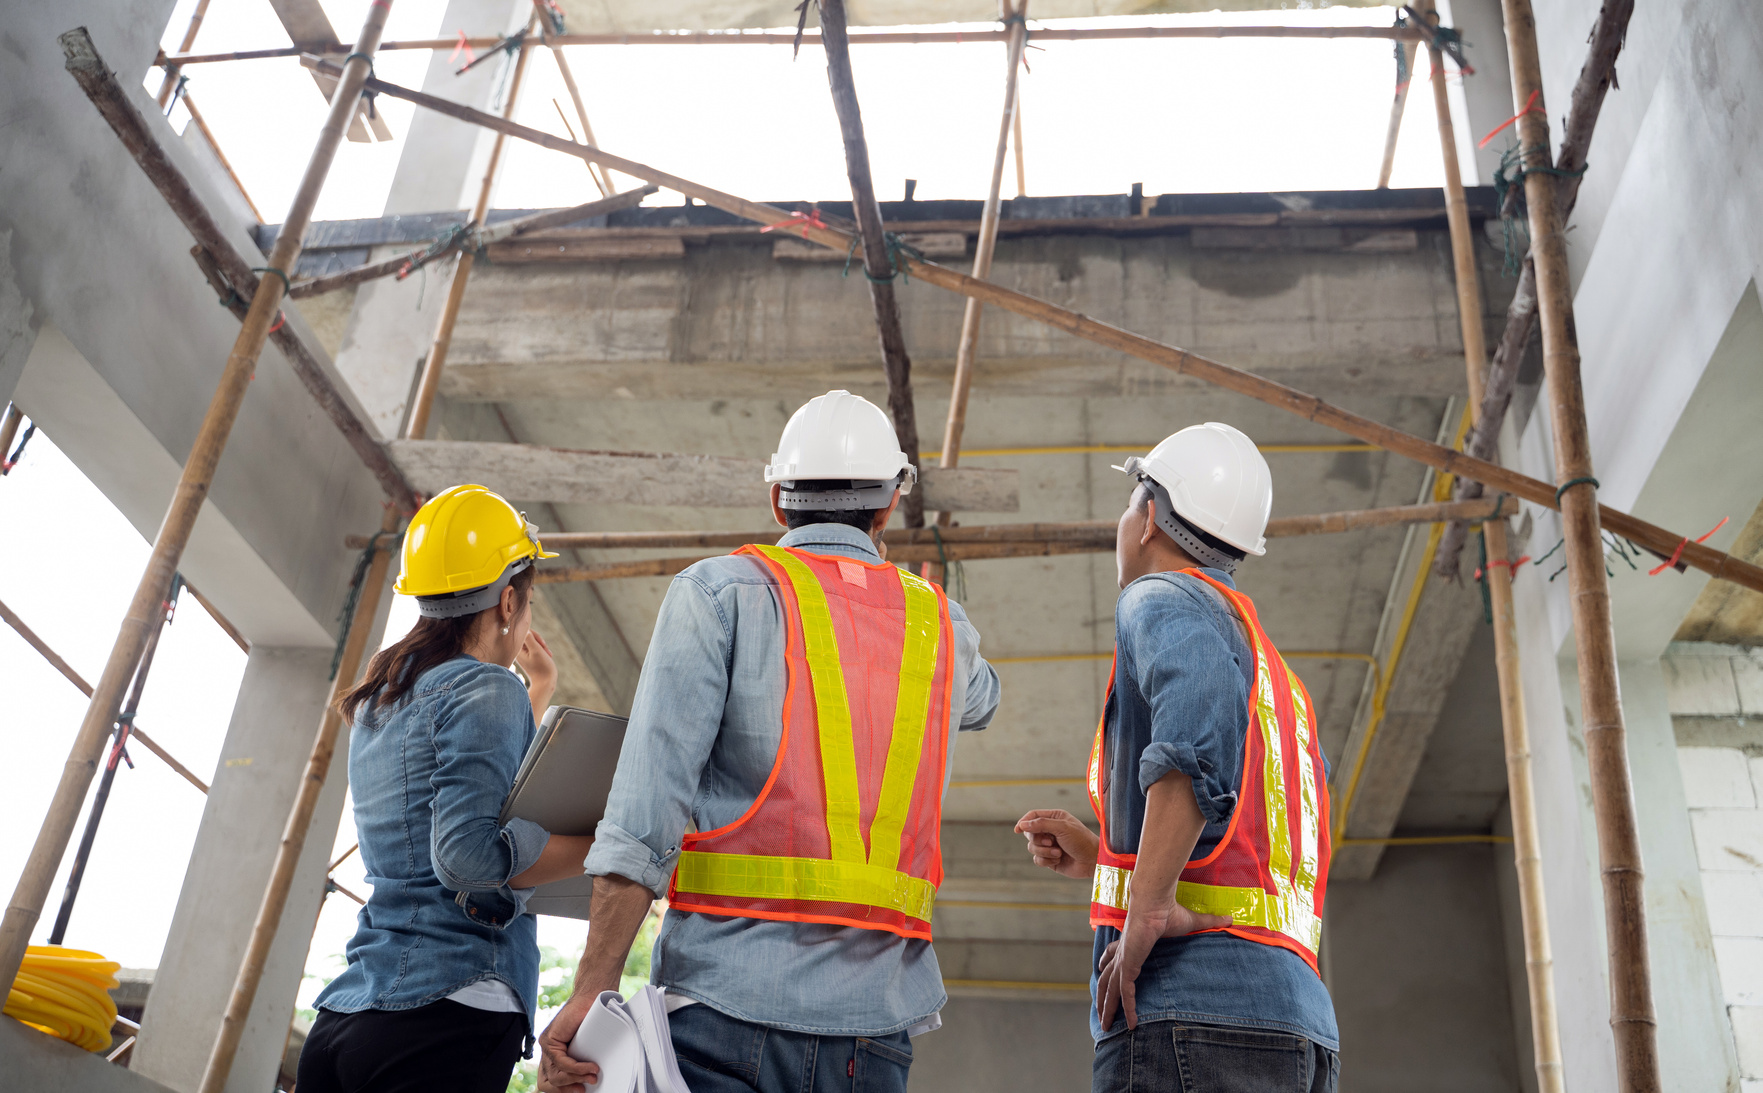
1208 781
797 710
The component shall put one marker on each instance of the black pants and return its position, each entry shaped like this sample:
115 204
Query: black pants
442 1046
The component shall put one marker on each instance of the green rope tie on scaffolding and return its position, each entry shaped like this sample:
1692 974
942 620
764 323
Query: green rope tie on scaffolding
287 285
896 247
1402 74
346 617
1509 195
367 94
1572 482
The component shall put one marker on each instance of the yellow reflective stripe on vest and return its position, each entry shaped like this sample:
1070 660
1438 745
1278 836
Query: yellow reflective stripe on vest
754 876
1288 913
838 755
1273 780
1112 887
1310 826
918 667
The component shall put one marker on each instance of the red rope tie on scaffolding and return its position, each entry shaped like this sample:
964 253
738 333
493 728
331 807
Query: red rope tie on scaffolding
1678 553
810 219
1511 567
1530 107
463 45
281 317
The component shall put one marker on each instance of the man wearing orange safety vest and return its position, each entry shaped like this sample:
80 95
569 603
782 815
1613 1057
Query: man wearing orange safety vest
1208 782
797 708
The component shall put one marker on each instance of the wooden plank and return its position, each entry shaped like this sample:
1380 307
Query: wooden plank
937 244
528 472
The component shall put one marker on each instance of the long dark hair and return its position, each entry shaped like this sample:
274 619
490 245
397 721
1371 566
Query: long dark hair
394 670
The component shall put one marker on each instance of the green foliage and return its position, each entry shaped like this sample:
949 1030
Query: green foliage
636 964
525 1078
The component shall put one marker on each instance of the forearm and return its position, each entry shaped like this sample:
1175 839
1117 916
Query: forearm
1172 826
619 907
540 693
560 860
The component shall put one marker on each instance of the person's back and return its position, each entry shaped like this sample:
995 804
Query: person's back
1208 780
797 709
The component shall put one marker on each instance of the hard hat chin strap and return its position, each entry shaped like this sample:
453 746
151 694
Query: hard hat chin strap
452 605
1185 537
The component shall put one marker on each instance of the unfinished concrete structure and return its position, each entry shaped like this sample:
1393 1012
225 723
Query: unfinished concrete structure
683 329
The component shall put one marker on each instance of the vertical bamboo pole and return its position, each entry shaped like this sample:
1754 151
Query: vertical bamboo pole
418 424
9 431
169 84
1527 844
293 842
1016 140
988 239
225 164
1619 852
192 489
1410 54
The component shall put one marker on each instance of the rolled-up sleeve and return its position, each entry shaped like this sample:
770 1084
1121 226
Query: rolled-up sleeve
480 728
674 720
1174 653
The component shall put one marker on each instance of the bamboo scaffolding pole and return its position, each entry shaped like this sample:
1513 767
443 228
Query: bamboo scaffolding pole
170 83
1398 106
9 432
1308 407
32 890
1596 77
1594 637
430 383
475 240
911 545
225 164
229 271
1497 571
1016 144
602 180
879 264
55 661
812 38
1017 17
220 620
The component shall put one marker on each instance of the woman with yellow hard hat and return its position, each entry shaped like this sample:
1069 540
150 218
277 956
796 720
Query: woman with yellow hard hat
443 970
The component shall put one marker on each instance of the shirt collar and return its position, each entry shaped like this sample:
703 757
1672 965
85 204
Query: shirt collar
841 539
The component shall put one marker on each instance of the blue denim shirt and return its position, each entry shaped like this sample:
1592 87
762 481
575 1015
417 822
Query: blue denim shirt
1180 701
704 732
429 776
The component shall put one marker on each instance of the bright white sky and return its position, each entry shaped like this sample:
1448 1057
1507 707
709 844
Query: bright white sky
1177 116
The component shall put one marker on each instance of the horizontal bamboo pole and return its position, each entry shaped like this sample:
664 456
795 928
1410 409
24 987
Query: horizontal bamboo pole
476 240
1715 563
1085 532
812 38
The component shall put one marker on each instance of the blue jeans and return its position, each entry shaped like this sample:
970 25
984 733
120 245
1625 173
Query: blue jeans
719 1054
1179 1057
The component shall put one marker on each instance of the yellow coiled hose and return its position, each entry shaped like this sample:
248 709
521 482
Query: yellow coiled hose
66 993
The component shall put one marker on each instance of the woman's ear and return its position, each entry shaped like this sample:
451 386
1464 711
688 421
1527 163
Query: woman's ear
509 605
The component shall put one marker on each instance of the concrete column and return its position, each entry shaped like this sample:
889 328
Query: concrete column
1485 99
265 753
443 160
1695 1041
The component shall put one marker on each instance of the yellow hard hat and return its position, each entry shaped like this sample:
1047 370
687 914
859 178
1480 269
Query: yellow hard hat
462 548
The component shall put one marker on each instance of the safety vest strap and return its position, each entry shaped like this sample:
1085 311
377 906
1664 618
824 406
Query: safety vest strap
918 668
753 876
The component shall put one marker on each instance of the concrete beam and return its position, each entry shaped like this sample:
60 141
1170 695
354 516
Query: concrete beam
531 472
42 1064
262 765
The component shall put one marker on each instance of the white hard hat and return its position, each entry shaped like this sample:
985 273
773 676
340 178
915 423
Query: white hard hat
841 436
1216 480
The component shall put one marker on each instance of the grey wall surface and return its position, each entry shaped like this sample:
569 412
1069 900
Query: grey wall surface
1004 1044
1415 960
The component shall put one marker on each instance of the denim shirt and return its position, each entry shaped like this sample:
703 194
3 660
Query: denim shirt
429 776
704 732
1180 702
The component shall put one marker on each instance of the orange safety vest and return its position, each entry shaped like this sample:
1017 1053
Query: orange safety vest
846 829
1270 870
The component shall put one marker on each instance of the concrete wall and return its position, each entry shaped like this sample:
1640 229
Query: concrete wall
1716 695
43 1064
1004 1041
1415 960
